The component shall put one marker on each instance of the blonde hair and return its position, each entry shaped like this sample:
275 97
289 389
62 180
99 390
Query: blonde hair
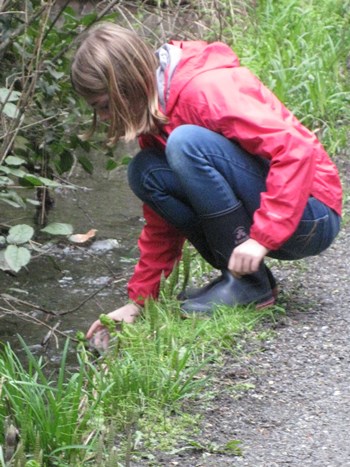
116 62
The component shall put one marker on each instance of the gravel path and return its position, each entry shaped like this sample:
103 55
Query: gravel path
297 412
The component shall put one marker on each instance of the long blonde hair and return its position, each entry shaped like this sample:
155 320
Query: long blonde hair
115 61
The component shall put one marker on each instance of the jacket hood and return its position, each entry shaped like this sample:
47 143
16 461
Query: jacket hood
181 61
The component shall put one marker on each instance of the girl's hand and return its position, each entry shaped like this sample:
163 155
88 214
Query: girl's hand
98 333
246 258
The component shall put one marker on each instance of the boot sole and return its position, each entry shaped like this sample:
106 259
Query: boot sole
266 304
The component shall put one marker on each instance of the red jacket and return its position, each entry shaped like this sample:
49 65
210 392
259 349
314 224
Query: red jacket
204 84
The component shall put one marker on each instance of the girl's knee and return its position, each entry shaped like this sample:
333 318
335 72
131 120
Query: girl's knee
180 144
182 135
134 173
138 167
145 172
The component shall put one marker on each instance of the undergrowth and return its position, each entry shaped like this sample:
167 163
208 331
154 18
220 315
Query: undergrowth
130 400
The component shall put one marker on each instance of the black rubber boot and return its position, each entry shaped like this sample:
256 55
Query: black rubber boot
194 292
224 232
197 238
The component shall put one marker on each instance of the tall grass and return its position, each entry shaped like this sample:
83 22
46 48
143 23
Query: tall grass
70 418
49 412
299 49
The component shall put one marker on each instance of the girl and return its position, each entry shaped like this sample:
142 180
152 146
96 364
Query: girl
223 163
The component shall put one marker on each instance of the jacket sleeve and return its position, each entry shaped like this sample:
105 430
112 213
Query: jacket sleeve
243 109
160 246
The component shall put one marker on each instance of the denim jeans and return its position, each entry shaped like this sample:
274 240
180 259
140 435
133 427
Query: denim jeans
202 173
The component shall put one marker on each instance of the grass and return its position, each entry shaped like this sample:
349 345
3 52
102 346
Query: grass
132 401
300 50
152 369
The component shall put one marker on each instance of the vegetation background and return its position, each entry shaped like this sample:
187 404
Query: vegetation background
135 401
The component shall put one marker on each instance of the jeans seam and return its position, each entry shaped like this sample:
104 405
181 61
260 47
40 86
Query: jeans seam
223 212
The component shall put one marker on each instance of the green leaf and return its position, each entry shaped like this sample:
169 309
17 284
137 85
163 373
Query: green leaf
86 145
86 164
4 95
66 161
233 447
12 198
88 19
57 228
49 183
69 11
20 233
6 181
17 257
10 202
125 160
21 143
17 172
33 180
13 160
41 181
33 202
12 171
55 74
111 164
3 263
32 463
10 110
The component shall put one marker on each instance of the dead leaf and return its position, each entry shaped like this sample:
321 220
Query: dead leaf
82 238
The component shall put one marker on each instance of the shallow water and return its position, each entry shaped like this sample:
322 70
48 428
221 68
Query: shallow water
61 280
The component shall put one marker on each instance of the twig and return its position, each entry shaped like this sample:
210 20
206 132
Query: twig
30 125
25 317
4 4
9 298
98 18
29 83
56 18
20 29
72 310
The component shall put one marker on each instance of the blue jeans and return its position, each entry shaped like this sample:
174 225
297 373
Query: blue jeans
203 174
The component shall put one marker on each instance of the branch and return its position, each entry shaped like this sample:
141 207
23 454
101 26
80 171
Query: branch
98 18
19 30
9 298
24 316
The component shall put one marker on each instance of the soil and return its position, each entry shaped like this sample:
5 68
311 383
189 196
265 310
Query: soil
293 408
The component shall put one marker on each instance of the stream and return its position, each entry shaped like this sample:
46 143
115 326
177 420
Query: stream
69 274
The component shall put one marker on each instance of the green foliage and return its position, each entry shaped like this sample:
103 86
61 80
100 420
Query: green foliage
299 49
150 369
8 99
45 133
57 228
16 247
40 114
51 416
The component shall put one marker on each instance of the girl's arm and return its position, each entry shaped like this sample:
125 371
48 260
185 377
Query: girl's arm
160 246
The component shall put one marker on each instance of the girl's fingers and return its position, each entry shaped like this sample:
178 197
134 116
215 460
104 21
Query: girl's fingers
96 326
100 340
